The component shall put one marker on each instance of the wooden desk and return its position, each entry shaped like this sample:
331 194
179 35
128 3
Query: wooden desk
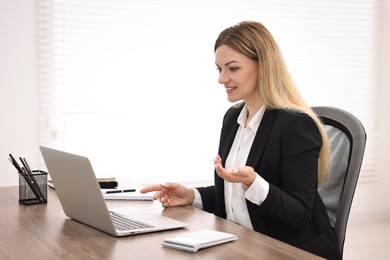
44 232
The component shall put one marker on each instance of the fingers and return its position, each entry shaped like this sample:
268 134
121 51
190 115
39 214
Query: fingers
235 175
160 194
221 171
218 164
154 187
164 201
168 185
162 197
217 160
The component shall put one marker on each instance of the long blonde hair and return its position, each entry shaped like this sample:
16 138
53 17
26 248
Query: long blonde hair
275 84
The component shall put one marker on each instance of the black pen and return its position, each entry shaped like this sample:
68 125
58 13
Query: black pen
27 166
118 191
15 163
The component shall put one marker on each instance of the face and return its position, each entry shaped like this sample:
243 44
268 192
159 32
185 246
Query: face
237 73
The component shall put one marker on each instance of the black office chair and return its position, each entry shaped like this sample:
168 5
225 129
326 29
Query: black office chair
347 140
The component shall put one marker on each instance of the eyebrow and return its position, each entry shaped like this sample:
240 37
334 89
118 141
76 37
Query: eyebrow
228 63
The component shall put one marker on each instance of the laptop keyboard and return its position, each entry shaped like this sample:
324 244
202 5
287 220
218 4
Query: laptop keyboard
125 223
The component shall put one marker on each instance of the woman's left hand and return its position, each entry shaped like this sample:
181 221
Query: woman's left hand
245 175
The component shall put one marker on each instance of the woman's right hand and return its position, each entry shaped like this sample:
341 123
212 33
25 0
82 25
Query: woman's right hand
171 194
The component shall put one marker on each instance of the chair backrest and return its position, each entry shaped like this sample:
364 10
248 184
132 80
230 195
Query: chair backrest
347 139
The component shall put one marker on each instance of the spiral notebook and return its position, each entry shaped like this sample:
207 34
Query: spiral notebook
128 196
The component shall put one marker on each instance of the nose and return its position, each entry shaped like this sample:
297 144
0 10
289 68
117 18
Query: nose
223 78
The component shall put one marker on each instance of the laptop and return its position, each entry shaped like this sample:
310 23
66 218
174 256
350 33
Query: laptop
82 200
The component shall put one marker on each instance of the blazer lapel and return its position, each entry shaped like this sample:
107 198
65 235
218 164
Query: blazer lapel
261 137
228 133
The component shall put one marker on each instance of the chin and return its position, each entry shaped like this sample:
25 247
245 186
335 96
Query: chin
232 99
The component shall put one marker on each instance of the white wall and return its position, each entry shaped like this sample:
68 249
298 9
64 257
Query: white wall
18 95
371 197
18 105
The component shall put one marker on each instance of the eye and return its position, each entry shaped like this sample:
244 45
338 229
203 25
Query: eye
219 69
234 69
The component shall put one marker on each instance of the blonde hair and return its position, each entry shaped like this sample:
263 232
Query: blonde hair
275 84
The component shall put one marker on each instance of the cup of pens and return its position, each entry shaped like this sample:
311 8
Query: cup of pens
33 192
32 184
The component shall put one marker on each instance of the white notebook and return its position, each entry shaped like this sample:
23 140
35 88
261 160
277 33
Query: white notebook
193 241
128 196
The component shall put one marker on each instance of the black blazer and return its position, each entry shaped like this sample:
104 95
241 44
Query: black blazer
285 153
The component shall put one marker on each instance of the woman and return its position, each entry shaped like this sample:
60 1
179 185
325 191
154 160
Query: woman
273 150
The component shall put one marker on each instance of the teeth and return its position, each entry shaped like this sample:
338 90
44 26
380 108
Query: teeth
231 88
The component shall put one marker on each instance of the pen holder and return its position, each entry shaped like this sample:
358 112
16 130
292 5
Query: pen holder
33 188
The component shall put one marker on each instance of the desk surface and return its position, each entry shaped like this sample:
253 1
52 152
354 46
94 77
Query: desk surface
44 232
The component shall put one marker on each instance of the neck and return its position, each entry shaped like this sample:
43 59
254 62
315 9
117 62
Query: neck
253 108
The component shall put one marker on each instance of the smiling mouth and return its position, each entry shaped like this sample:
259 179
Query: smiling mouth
230 88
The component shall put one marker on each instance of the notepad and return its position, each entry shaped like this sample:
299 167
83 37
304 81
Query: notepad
193 241
128 196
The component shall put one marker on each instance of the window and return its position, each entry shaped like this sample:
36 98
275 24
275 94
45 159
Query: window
133 86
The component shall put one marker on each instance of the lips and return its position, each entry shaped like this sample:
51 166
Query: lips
230 89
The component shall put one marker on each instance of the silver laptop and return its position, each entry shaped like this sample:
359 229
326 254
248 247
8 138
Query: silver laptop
82 200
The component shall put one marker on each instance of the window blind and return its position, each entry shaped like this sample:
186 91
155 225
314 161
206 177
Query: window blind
133 85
